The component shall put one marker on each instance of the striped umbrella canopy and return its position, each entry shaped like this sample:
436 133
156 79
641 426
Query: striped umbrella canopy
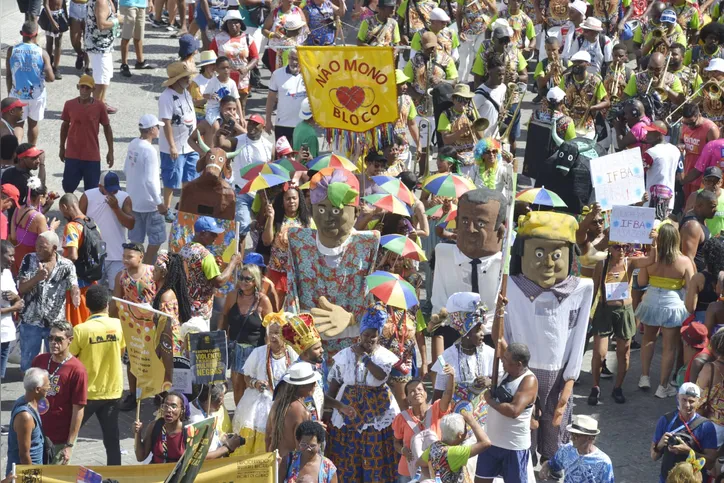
403 246
393 186
448 184
391 290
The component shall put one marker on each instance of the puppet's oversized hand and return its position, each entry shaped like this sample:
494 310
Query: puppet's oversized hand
330 319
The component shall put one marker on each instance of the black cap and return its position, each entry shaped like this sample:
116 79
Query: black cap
713 172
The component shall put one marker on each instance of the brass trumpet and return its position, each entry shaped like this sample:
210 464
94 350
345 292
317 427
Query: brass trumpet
658 33
511 88
709 88
713 90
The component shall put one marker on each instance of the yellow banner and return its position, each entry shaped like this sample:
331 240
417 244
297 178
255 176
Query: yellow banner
249 469
351 88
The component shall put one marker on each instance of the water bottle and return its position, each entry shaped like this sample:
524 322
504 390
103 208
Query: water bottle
418 475
437 477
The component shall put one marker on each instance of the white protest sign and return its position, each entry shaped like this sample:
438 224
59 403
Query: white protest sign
632 224
618 178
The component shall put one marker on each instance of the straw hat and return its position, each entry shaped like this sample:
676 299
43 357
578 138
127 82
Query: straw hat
176 71
207 57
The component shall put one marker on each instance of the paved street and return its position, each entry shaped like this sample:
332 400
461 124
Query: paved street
626 429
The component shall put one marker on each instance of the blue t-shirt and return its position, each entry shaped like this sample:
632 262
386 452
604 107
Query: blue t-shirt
133 3
705 433
595 467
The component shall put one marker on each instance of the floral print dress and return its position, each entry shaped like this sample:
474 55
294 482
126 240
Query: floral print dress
326 469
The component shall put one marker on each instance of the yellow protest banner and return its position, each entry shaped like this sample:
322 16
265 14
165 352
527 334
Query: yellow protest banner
249 469
351 88
149 342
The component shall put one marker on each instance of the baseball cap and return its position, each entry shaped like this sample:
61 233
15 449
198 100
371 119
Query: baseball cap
111 182
86 80
715 65
713 172
10 103
206 223
581 55
187 45
31 152
257 119
283 147
689 389
654 128
668 16
439 14
580 6
11 191
148 121
695 335
555 94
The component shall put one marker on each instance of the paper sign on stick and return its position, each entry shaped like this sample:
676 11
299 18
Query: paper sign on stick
618 178
632 224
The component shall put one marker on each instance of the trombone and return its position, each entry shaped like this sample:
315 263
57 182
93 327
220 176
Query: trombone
660 81
511 89
713 90
519 88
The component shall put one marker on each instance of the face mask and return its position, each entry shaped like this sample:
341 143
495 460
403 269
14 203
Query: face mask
578 70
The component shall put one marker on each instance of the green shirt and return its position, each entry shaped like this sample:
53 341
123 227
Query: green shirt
402 9
600 89
631 90
678 31
457 457
479 65
716 224
451 72
416 43
540 70
362 35
304 133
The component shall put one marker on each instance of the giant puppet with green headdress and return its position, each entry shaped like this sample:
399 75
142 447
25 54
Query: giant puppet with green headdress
328 265
548 311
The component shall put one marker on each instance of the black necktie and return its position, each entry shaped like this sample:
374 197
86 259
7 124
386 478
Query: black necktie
474 276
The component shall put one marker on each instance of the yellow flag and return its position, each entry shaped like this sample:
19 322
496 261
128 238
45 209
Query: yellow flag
351 88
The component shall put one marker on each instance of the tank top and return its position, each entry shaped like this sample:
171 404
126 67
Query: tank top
510 433
36 436
26 65
699 257
708 293
704 352
246 328
114 234
174 446
22 235
694 140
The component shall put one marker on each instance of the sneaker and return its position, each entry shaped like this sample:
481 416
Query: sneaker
4 429
125 70
635 345
605 373
537 99
158 25
111 109
79 62
618 396
58 75
128 403
145 65
169 217
593 397
644 383
664 392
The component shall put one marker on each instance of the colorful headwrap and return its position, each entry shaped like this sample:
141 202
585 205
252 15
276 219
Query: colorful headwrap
465 311
548 225
485 145
338 185
374 318
300 332
696 463
162 260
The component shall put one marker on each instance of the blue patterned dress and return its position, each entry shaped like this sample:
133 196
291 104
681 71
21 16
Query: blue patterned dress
321 23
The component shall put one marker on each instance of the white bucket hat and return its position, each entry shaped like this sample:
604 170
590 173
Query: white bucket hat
300 374
439 14
580 6
581 55
555 94
715 65
305 111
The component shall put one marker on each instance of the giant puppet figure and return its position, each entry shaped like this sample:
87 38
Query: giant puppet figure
548 310
328 265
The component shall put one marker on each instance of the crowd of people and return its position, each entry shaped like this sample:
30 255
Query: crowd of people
325 368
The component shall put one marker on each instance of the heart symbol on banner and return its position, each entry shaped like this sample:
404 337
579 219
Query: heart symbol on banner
350 97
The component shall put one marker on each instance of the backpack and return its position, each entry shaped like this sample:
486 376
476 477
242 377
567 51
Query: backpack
422 437
91 253
602 46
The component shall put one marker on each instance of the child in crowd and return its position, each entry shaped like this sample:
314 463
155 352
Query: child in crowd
54 21
218 87
197 87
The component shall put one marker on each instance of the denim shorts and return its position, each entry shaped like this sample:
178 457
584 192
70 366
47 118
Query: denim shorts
31 340
241 354
243 212
179 170
151 224
217 14
510 464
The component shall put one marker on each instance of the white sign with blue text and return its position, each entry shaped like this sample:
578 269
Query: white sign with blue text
632 224
618 178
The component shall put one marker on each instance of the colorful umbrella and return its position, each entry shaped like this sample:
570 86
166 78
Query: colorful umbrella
331 160
290 165
437 211
392 290
264 181
388 203
540 196
393 186
448 184
403 246
251 171
449 221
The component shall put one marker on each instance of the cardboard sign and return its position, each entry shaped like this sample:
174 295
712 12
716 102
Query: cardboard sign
618 179
208 356
632 224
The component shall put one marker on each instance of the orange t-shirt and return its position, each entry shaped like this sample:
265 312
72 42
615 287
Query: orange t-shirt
404 432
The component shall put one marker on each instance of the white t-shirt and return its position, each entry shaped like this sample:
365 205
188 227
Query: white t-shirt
143 168
179 109
594 49
485 108
114 234
662 171
467 366
221 89
7 326
291 92
251 152
201 81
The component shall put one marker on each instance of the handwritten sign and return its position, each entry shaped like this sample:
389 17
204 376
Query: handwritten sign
632 224
208 356
617 291
618 179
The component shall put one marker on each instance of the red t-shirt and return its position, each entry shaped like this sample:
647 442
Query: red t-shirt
70 385
694 142
85 120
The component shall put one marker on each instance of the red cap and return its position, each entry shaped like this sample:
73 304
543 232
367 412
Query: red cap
695 335
257 119
654 128
11 191
30 153
13 105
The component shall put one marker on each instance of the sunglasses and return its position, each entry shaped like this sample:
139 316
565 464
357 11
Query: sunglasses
57 339
246 279
492 152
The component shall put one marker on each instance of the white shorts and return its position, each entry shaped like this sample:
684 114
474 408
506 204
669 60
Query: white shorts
35 109
77 11
102 65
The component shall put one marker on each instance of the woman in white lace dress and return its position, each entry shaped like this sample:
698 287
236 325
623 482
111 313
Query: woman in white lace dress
262 371
362 447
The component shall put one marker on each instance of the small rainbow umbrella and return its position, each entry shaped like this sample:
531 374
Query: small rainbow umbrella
391 290
251 171
290 165
541 196
388 203
393 186
437 211
331 161
403 246
449 221
264 181
448 184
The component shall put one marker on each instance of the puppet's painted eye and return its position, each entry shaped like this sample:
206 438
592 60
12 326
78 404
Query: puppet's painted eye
540 253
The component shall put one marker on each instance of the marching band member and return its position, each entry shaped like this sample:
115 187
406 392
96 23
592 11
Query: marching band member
552 110
713 36
428 68
651 78
473 17
548 72
456 126
643 29
522 25
618 74
712 106
687 16
571 30
406 121
414 16
606 11
585 94
667 33
490 96
690 82
447 39
380 30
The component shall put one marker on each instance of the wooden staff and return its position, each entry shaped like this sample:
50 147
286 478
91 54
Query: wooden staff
499 318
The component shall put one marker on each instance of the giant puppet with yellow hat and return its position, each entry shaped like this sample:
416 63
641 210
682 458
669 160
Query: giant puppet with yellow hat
548 311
